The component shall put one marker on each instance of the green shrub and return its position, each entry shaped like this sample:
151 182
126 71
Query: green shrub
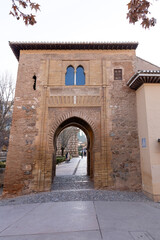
2 164
60 159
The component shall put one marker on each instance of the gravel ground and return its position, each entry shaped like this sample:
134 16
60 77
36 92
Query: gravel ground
77 188
76 195
72 182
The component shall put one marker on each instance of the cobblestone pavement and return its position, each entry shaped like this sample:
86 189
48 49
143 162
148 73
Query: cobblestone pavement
76 195
72 182
74 187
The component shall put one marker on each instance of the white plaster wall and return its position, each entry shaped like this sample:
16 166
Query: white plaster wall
148 111
143 133
152 92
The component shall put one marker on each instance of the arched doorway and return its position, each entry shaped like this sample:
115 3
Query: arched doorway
86 128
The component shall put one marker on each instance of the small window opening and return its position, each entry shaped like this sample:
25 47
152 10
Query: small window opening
69 78
80 76
117 74
73 77
34 84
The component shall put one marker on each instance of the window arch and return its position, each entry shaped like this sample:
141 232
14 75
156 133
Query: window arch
69 78
80 76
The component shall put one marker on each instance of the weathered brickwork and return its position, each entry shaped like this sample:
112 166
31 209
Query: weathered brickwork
125 144
105 109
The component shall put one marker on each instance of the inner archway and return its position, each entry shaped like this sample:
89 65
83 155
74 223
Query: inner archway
81 124
71 152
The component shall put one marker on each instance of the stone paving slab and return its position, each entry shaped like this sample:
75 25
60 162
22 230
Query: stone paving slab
128 216
67 168
82 167
82 235
155 234
11 214
115 235
53 218
80 220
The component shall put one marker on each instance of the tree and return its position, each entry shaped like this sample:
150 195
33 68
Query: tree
64 137
138 10
18 10
6 106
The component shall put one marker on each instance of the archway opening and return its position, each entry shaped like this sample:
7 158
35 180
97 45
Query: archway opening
81 162
71 152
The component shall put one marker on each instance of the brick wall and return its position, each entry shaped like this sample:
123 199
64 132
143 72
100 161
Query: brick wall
107 109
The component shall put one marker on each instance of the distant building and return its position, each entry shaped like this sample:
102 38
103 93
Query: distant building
71 143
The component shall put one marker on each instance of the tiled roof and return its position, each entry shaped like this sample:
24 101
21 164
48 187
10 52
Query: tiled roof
143 77
17 46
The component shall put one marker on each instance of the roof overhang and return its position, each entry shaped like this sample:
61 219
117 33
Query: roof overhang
18 46
142 77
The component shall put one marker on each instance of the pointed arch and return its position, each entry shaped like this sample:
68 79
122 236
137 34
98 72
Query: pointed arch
63 118
74 120
80 76
69 77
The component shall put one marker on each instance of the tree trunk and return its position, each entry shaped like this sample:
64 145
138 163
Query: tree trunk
62 148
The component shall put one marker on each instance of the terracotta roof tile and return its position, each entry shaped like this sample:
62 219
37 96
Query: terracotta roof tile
17 46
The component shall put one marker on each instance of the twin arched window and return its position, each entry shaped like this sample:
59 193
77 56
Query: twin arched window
75 78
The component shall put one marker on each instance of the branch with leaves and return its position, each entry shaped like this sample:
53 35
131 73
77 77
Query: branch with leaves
138 10
18 8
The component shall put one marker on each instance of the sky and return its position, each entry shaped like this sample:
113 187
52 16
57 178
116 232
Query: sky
78 21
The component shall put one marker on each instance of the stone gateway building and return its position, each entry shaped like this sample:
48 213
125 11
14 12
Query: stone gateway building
103 89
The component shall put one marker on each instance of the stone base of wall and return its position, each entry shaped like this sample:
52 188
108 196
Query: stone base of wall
155 198
2 170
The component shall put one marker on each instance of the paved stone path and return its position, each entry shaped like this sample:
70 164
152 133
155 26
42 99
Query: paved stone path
80 221
72 175
68 186
73 210
76 166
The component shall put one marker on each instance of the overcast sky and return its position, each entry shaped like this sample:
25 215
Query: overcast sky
78 20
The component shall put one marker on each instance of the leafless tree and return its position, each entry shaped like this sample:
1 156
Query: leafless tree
64 137
6 107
